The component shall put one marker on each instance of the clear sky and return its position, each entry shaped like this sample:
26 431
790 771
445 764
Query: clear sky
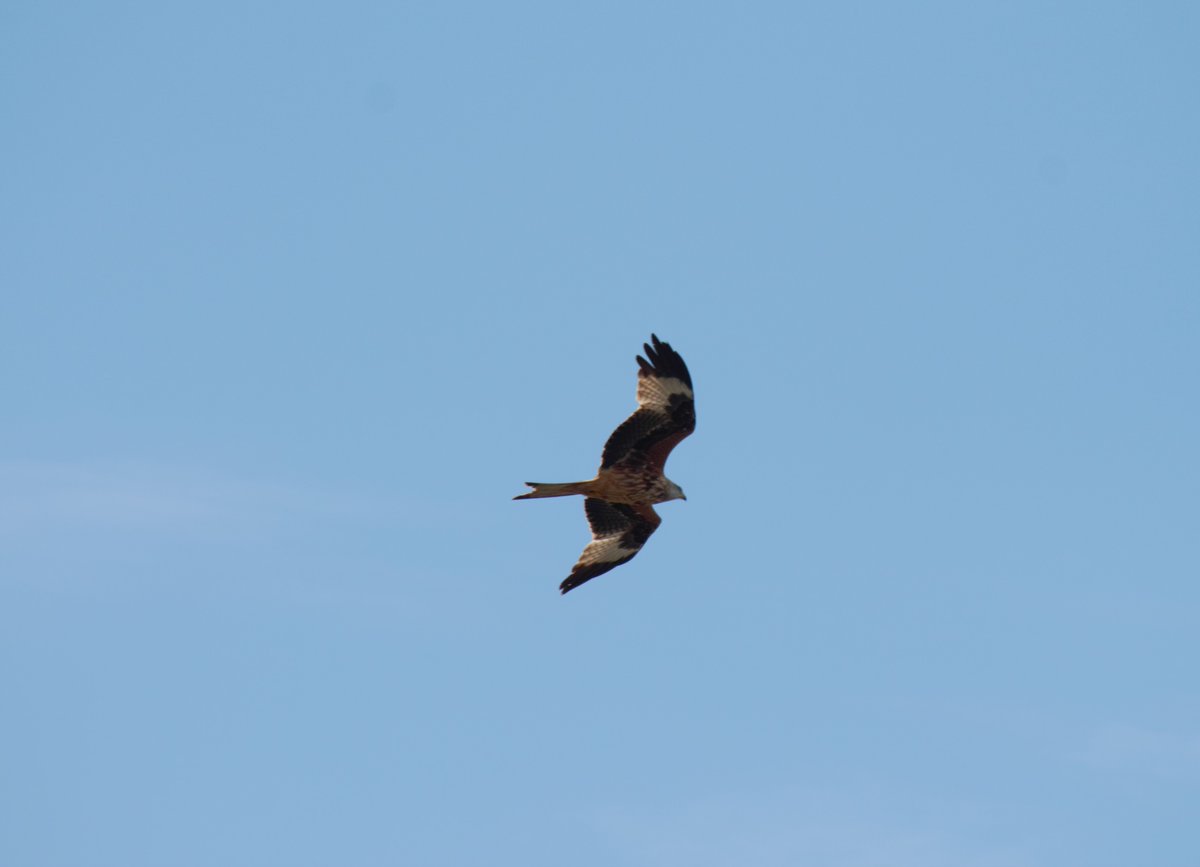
293 298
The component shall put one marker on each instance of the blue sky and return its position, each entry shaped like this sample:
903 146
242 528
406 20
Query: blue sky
293 300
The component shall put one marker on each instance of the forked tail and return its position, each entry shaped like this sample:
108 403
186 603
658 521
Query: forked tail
543 489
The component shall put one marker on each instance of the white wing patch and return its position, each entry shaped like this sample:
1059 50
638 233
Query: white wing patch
656 391
606 550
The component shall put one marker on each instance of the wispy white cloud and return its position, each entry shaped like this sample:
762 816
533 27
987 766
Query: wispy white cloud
137 497
1138 749
792 826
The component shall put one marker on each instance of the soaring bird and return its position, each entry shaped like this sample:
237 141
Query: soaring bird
619 501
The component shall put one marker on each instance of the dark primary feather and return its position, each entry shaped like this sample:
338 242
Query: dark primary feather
664 361
662 418
618 532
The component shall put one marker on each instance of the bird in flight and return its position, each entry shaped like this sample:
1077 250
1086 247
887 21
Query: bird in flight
619 501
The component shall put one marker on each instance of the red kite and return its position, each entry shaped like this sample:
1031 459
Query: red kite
630 480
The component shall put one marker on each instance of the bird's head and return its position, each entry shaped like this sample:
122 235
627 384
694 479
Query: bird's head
674 492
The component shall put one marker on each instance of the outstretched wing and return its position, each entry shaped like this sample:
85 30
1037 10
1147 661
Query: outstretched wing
618 533
666 411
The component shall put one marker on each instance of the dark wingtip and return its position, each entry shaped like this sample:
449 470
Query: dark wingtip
664 361
575 579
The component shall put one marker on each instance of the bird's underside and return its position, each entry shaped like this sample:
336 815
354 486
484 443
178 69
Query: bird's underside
634 486
618 501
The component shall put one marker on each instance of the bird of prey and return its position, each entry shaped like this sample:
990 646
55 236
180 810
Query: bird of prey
619 501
